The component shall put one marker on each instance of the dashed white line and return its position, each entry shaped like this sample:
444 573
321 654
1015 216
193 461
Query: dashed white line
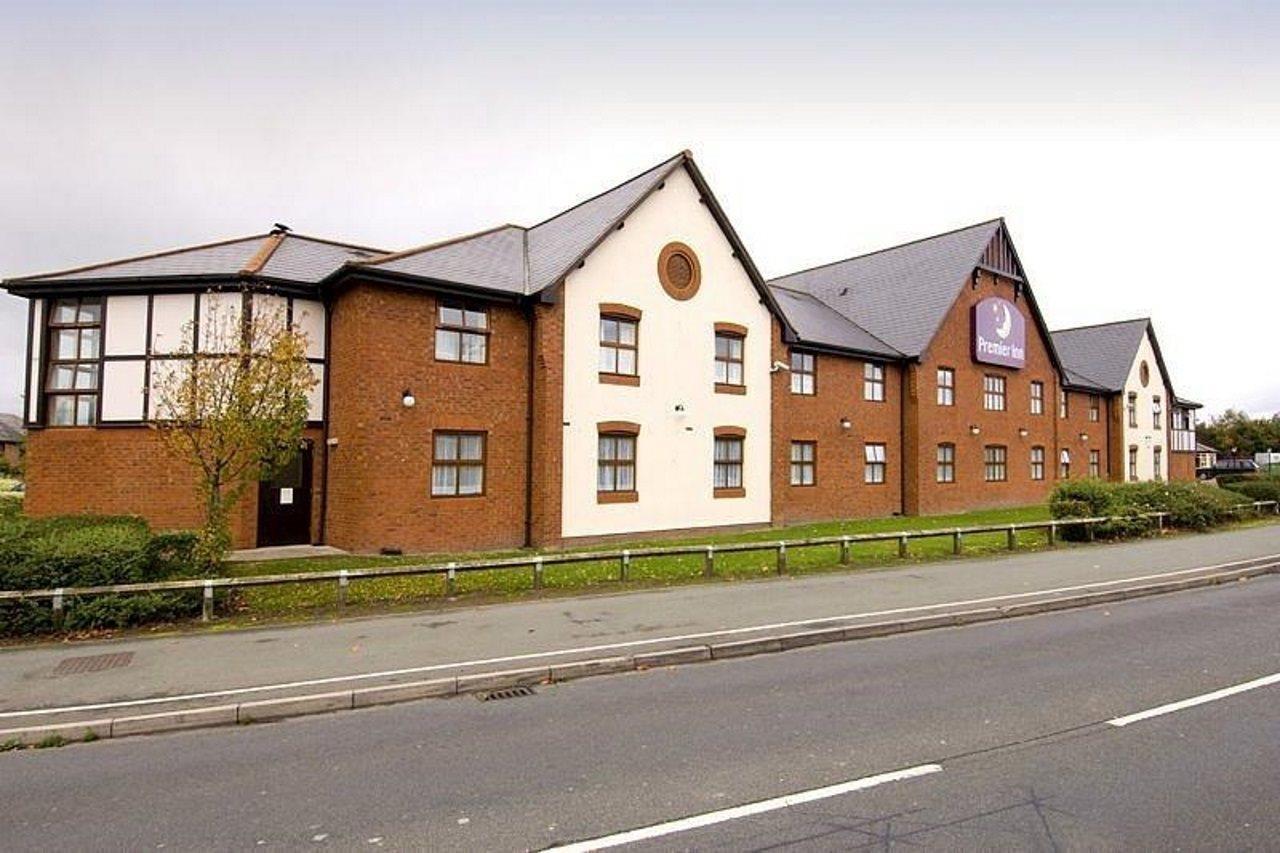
1265 681
760 807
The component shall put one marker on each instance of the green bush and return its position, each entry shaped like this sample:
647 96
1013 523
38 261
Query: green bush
1192 506
72 551
1265 489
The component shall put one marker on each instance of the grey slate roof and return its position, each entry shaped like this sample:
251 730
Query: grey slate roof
297 258
1101 355
899 295
820 325
11 429
493 260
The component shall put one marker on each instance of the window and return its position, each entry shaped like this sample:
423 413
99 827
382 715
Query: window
457 466
729 359
619 337
803 373
1037 398
1094 415
1037 463
993 393
616 465
1064 410
1095 463
1157 414
803 462
727 473
946 470
1133 408
995 463
462 333
874 470
75 347
946 386
1157 457
1133 464
873 382
1064 464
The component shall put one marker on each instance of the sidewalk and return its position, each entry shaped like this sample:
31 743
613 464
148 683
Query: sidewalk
362 652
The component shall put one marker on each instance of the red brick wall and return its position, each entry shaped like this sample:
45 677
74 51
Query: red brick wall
382 343
1076 424
839 490
129 471
548 424
929 424
1182 466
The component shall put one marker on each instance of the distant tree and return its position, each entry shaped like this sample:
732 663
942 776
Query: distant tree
233 406
1236 432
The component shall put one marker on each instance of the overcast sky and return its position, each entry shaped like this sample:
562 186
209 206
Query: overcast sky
1133 149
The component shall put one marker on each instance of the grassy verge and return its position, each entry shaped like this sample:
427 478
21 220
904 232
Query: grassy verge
308 600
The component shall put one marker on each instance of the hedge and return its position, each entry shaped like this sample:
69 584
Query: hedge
1192 506
70 551
1264 489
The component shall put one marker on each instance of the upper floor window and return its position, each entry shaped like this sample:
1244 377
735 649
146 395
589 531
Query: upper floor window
1133 408
457 464
993 393
873 382
804 462
1094 406
1064 464
875 463
1037 463
804 373
1037 398
462 332
619 345
75 350
946 464
1157 414
946 386
1064 410
995 459
729 346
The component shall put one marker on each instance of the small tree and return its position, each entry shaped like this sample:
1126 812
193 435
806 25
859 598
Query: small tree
232 405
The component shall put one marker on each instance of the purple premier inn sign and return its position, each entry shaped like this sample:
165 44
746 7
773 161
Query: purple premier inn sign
999 333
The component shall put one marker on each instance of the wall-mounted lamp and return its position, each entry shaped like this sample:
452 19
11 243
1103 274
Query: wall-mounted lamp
1084 436
973 429
845 423
1022 431
407 399
679 408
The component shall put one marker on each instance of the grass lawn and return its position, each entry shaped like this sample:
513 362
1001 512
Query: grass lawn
306 599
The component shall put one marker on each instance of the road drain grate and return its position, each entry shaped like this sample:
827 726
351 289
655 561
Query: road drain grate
93 663
505 693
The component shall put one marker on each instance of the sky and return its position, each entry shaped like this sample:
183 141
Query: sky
1131 148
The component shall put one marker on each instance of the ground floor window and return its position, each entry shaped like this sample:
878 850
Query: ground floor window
616 463
1133 464
995 459
457 466
1037 464
946 469
727 469
875 463
1064 464
1095 463
1157 457
804 456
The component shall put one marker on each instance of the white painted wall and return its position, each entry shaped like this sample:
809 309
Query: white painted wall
677 366
1145 436
126 332
308 318
171 314
122 384
35 377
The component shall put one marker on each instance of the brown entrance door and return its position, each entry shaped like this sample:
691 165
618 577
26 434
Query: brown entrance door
284 503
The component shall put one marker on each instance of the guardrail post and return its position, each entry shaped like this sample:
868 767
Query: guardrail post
709 562
343 583
57 609
537 573
1276 506
903 546
1160 521
782 558
1090 529
206 610
957 542
1051 534
450 576
1011 538
844 550
624 566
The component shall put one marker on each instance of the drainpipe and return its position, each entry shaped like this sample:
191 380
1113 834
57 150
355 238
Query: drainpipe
324 461
531 309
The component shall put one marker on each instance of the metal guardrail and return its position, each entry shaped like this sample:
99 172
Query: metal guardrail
624 558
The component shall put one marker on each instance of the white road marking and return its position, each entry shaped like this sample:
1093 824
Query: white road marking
737 812
1265 681
706 635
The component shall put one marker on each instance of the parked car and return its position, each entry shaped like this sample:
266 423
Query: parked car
1234 465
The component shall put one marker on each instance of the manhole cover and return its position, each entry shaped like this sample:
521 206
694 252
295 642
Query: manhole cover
504 693
93 663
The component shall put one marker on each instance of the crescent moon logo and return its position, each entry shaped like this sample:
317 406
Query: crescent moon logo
1006 325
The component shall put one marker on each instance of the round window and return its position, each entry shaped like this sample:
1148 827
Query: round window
679 271
1144 374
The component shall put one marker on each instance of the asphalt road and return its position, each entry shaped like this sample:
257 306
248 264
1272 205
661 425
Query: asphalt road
1014 713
